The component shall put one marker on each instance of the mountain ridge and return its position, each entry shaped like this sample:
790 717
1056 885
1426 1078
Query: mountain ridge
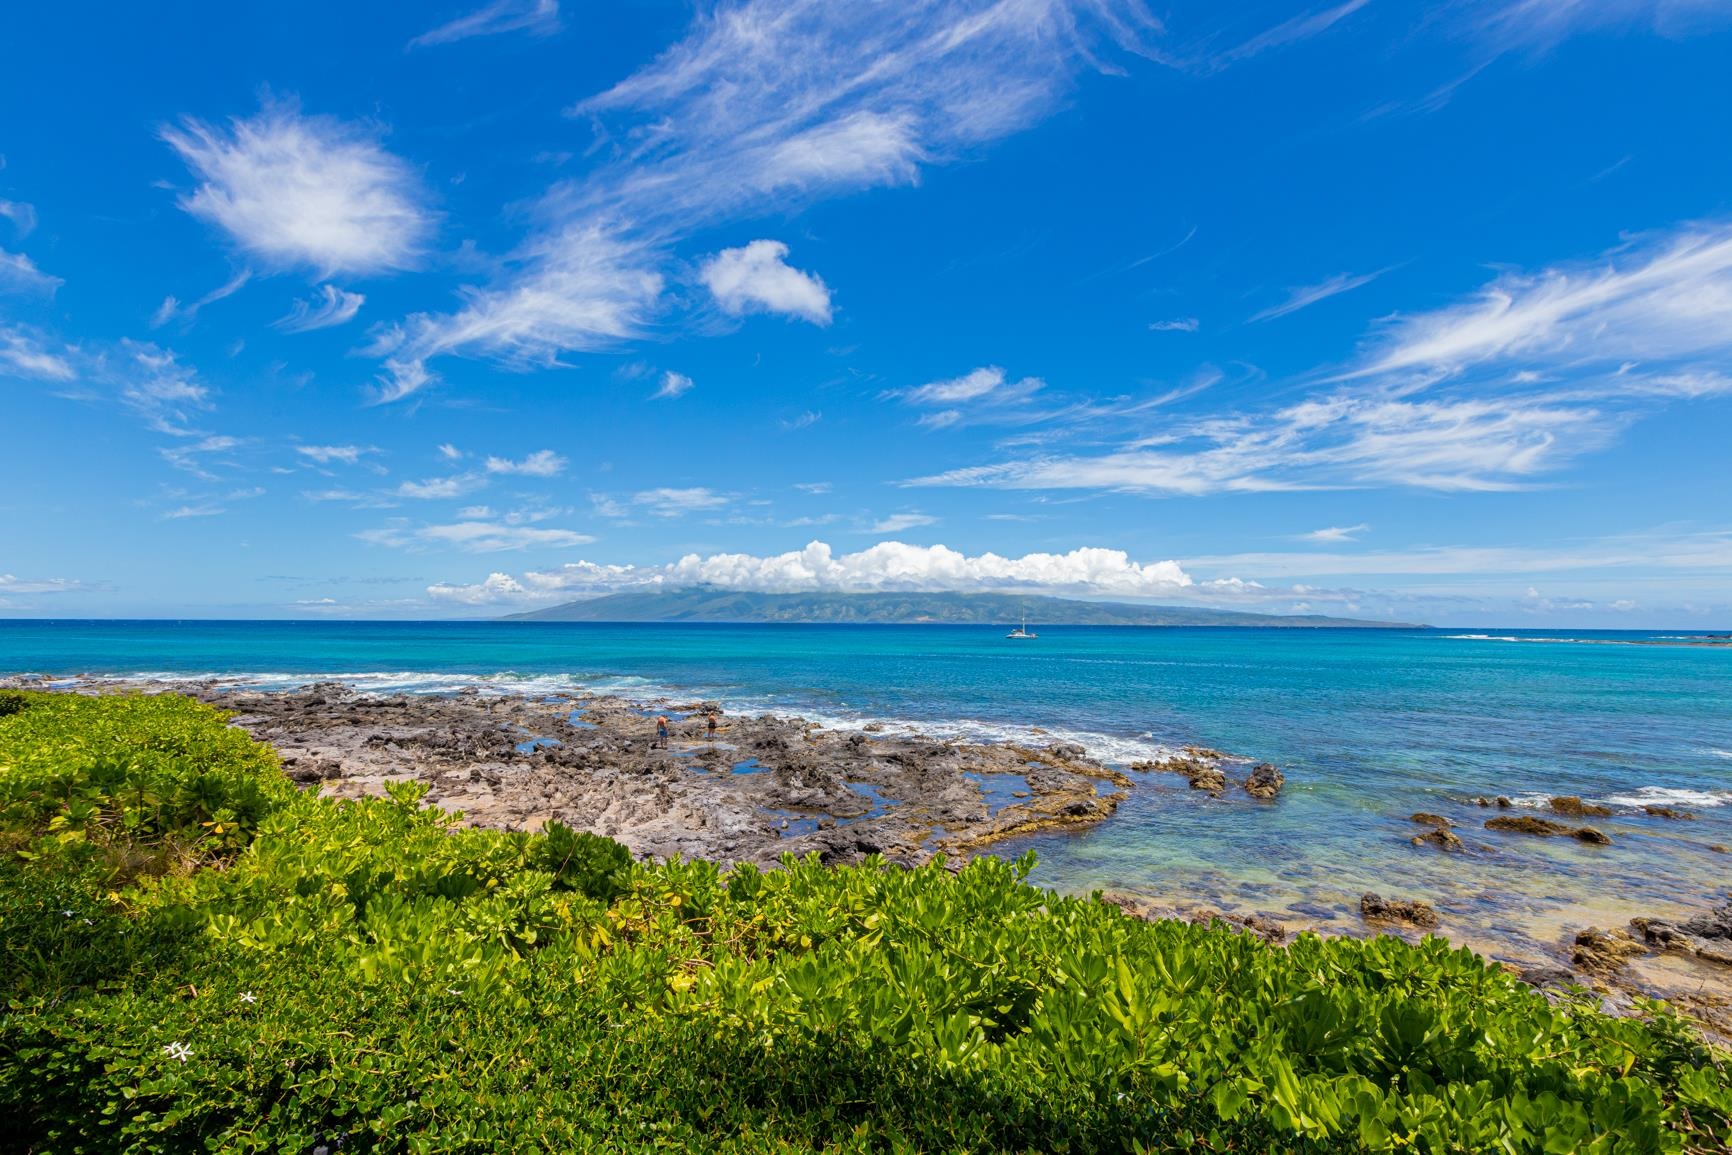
713 604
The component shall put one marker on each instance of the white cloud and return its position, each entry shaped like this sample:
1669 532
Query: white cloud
171 308
1538 24
435 488
12 584
758 279
666 502
673 385
981 394
188 511
582 288
1660 298
154 384
1335 533
800 421
474 537
541 463
1305 296
25 353
191 456
898 522
326 454
885 566
19 274
813 487
1522 379
536 17
332 307
22 216
764 104
1175 325
305 191
450 452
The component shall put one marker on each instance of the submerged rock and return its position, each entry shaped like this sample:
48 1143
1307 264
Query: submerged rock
1425 819
1375 908
1440 838
1668 812
1546 828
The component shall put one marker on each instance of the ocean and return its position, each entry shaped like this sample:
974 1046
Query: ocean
1369 726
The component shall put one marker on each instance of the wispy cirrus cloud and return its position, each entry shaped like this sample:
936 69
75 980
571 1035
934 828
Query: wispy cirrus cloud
22 216
675 502
472 536
19 274
673 385
26 352
535 17
1174 325
901 522
331 307
1335 533
297 191
335 454
762 104
541 463
1517 381
172 309
1304 296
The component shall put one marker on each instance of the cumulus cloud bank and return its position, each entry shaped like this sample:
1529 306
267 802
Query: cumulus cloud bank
890 565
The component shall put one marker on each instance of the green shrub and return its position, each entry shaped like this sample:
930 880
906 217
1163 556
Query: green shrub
370 976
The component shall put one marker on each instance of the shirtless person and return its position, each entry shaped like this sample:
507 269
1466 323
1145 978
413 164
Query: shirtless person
711 726
661 731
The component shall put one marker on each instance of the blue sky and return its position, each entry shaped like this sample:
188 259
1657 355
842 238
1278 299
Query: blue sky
459 309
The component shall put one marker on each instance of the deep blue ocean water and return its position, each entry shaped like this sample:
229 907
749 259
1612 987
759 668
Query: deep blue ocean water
1369 726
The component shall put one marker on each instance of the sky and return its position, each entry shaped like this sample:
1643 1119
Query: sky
463 308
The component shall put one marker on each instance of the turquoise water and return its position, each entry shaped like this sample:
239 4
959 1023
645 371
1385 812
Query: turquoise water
1369 726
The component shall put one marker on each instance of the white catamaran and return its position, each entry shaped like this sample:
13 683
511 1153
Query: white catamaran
1022 631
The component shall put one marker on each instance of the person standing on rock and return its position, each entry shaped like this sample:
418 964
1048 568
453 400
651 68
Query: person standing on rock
711 726
662 731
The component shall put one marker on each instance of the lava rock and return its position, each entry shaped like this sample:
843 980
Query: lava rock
1375 908
1265 781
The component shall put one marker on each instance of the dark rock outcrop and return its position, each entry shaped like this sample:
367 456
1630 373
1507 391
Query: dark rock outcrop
1264 781
1375 908
1576 808
1546 828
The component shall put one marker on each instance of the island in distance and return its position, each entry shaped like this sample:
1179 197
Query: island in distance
712 604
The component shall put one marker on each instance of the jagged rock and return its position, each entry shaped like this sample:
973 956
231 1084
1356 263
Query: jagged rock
1604 950
1066 751
1668 812
1589 834
1440 838
1576 808
1425 819
1503 803
1265 781
1375 908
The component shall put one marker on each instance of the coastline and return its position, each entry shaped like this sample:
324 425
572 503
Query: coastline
773 784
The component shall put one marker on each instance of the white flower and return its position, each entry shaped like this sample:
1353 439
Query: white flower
178 1051
249 997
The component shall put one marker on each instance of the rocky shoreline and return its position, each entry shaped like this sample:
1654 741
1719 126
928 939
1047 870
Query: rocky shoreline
765 786
768 785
